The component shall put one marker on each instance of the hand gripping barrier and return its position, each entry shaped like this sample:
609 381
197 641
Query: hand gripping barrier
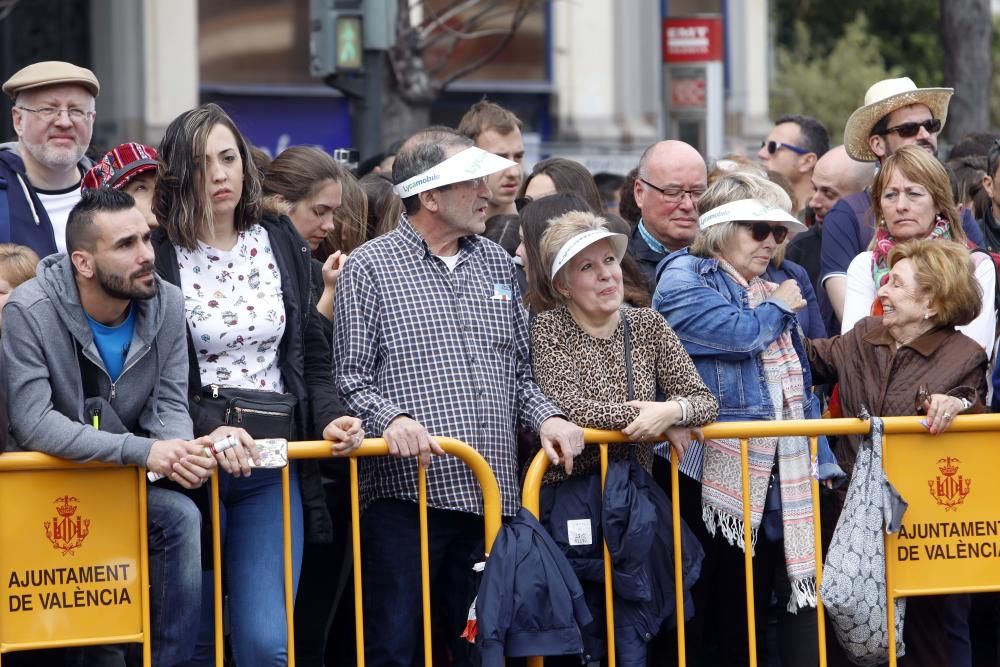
920 558
371 447
73 554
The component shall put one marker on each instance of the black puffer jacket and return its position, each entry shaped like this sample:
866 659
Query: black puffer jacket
635 518
304 360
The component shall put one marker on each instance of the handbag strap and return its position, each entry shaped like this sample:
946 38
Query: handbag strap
630 386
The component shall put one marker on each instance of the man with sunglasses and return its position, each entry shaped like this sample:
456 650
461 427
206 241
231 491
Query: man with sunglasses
672 176
40 174
792 149
896 113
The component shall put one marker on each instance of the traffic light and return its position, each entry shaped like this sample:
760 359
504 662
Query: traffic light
335 37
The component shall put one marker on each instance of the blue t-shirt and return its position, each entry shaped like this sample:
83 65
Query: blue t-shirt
113 342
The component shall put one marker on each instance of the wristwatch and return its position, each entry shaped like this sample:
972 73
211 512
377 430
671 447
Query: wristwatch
966 404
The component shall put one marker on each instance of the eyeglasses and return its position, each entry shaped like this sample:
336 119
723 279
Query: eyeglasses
775 146
674 194
910 130
759 231
49 114
474 183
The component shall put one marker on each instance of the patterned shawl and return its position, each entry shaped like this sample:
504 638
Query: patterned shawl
722 494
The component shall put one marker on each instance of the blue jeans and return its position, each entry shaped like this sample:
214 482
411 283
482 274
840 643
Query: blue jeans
390 552
253 568
174 574
175 594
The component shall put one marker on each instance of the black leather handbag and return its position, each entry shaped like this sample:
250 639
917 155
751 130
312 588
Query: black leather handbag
262 414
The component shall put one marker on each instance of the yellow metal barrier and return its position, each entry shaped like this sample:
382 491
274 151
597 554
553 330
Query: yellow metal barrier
74 554
320 449
910 451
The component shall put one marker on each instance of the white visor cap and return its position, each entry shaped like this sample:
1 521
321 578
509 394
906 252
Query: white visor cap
462 166
750 210
573 247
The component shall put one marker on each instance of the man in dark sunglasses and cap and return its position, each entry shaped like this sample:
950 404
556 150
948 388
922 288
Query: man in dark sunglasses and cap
895 113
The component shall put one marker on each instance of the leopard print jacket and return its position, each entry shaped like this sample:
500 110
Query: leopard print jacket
587 379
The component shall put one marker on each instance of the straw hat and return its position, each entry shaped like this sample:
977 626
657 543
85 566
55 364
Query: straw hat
881 100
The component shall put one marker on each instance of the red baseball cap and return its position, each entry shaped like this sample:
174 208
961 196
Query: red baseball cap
120 165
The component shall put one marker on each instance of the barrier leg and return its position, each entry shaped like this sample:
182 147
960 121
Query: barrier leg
818 536
147 633
675 493
217 568
425 575
748 552
359 616
286 519
609 592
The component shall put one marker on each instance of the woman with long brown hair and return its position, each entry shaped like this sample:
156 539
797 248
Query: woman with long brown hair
254 338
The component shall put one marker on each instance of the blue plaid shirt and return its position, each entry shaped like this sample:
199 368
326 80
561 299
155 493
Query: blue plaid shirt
450 349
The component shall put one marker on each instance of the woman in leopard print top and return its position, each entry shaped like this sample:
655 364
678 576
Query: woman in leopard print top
578 350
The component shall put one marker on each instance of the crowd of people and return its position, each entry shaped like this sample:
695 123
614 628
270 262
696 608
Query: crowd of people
200 290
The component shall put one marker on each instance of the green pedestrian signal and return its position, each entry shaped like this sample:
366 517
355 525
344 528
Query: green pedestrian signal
348 42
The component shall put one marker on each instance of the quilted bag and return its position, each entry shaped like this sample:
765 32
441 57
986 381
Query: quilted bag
853 588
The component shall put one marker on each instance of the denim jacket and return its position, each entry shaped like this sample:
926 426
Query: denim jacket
724 336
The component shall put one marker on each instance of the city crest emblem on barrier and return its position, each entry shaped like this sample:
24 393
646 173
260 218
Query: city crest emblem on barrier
949 488
66 532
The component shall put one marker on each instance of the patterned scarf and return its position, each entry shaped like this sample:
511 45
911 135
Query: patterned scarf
722 491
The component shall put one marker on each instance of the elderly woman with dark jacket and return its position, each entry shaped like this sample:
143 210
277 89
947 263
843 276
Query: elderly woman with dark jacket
743 335
913 360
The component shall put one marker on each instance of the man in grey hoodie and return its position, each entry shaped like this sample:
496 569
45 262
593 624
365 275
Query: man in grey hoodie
97 333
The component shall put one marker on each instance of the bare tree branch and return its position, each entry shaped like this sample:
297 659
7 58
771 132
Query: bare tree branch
449 25
439 20
472 23
521 12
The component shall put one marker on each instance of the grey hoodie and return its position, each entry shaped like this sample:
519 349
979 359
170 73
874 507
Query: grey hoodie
43 325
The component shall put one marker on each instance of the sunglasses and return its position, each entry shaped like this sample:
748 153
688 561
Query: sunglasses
910 130
775 146
760 230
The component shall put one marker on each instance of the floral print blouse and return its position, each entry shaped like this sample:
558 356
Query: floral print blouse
234 309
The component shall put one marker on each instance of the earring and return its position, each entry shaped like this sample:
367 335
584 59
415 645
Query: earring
927 316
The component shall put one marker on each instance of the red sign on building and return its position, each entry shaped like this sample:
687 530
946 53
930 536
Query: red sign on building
692 40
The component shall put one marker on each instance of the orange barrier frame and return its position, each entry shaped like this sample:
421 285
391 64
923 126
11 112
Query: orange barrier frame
811 428
12 462
319 449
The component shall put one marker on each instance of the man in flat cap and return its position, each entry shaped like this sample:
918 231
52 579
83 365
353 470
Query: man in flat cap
40 173
895 113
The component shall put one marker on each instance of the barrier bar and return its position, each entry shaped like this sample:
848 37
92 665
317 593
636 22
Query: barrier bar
748 552
217 568
425 575
675 500
359 628
492 516
609 591
818 537
286 511
743 431
147 650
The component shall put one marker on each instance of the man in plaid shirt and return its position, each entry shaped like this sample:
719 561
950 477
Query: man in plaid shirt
430 338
